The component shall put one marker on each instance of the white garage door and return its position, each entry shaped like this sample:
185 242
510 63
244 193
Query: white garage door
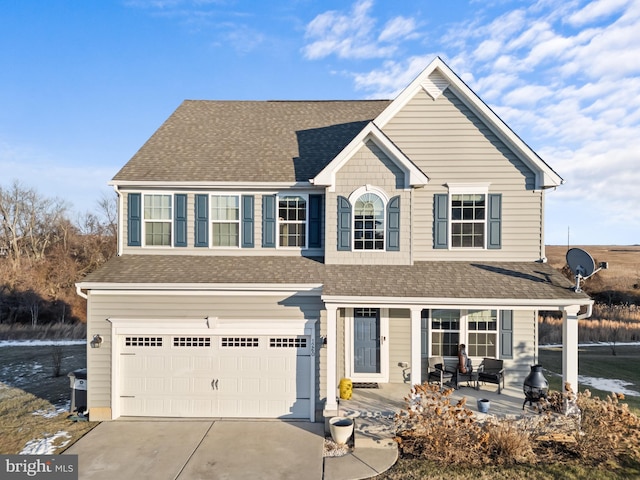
266 376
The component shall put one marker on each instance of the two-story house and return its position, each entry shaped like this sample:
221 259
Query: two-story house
269 248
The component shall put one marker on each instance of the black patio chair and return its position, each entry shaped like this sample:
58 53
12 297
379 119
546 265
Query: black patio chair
491 370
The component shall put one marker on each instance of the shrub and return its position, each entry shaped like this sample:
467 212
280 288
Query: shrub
433 428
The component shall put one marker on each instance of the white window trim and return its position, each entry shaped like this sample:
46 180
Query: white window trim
355 195
171 220
211 221
463 331
306 221
383 376
468 189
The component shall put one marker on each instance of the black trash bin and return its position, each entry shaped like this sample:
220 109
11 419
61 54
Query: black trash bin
78 381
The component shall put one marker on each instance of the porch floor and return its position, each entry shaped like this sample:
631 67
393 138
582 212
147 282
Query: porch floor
374 408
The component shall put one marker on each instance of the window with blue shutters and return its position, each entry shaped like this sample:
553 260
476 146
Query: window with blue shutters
467 219
368 221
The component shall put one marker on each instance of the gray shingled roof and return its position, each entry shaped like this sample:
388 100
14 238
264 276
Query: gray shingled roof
249 141
490 280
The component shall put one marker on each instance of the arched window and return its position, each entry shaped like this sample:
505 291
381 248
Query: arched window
368 227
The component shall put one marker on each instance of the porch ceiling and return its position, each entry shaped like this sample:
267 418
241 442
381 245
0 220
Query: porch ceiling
500 281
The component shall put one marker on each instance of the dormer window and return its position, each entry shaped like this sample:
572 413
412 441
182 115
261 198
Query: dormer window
368 226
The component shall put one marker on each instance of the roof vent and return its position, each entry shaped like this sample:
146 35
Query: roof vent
435 84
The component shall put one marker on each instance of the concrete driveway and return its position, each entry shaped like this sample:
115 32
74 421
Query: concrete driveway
200 449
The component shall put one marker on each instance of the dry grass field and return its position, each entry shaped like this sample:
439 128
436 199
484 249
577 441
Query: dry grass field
620 283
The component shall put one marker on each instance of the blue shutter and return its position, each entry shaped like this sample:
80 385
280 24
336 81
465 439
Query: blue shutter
134 220
180 220
393 224
315 221
506 334
269 221
247 221
201 220
440 220
494 225
344 224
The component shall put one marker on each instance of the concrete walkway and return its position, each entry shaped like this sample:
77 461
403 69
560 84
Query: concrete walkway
374 449
161 449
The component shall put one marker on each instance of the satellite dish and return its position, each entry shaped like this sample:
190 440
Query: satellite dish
582 265
580 262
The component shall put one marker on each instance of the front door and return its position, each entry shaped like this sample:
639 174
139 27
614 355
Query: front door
366 340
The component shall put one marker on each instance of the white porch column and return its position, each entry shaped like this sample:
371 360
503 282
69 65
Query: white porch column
570 346
331 404
416 346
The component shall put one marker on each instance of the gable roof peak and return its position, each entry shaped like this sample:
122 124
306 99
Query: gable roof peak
438 77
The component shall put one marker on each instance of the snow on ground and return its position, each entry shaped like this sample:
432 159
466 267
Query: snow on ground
44 446
39 343
608 385
50 413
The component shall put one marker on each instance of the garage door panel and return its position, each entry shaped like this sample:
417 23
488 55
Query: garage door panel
216 376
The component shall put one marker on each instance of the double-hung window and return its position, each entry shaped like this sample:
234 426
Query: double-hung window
482 333
292 221
445 332
225 220
477 329
157 220
468 220
368 222
468 217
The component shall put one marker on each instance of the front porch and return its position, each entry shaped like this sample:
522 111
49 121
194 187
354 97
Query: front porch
374 408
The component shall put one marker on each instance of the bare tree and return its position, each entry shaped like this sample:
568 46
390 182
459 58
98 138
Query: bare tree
28 221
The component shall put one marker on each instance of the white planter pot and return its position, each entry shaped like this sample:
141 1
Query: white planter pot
341 429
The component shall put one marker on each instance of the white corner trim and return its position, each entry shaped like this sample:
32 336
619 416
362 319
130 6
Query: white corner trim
414 177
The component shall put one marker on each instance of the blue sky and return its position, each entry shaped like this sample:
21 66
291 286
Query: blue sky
84 84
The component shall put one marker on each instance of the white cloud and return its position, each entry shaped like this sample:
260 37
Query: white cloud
352 35
596 10
397 28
